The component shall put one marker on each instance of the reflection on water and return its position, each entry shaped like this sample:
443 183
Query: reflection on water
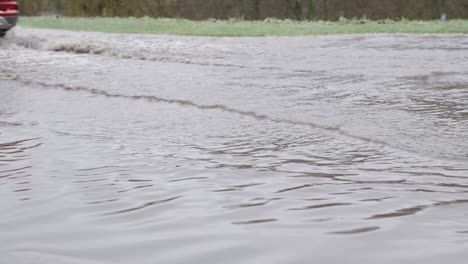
14 169
253 150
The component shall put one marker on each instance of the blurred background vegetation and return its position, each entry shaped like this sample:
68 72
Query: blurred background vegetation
250 9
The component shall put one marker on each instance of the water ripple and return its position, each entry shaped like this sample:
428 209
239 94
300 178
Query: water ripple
356 231
149 204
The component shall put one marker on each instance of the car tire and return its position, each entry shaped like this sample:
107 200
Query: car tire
2 34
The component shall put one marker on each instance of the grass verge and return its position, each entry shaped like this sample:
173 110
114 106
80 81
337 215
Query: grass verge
236 27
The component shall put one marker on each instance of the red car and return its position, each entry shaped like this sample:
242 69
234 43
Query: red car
8 15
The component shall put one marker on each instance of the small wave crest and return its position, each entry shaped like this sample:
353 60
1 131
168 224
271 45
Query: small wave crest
80 47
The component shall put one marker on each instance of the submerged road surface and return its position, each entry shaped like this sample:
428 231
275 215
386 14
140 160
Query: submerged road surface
162 149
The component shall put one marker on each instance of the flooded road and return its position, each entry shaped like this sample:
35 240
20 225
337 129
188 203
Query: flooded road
165 149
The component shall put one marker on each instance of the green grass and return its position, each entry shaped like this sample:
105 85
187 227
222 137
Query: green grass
236 27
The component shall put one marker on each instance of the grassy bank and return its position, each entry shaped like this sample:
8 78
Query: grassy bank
235 27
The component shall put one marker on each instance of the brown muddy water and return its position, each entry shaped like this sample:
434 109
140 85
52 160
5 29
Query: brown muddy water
165 149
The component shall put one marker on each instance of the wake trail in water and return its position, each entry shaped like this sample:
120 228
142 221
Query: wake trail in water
158 50
224 108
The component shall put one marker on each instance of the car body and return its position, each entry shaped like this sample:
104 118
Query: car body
8 15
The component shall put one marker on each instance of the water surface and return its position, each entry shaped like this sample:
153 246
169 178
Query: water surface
164 149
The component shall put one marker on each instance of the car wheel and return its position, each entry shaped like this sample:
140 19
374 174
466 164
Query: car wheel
2 34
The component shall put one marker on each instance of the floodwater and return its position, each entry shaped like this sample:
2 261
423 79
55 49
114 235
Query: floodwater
165 149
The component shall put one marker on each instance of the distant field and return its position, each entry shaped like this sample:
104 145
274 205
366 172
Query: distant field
236 27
